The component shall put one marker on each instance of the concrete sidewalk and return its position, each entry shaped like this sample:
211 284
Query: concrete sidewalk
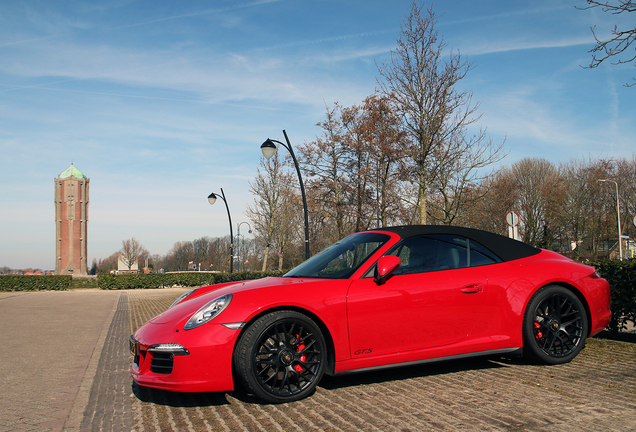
51 343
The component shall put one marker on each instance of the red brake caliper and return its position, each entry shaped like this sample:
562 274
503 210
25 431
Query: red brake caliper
303 358
537 333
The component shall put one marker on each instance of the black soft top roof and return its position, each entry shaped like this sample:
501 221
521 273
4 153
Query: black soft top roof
505 248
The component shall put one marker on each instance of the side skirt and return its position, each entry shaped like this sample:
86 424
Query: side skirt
515 352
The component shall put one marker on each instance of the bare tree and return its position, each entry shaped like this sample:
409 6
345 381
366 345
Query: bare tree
617 46
324 161
586 205
131 252
180 255
498 197
357 162
539 198
384 134
353 168
219 253
626 176
421 82
286 223
109 263
461 162
270 188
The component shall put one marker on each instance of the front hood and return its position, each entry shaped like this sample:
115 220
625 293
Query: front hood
186 308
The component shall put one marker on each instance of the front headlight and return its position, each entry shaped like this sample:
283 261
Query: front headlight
208 311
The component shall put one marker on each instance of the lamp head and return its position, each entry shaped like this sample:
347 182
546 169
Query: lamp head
212 198
268 148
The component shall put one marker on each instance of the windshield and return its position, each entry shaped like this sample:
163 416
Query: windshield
341 260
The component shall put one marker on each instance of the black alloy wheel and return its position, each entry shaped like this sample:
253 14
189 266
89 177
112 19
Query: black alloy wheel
281 357
554 326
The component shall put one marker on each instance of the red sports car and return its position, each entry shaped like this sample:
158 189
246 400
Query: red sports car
376 299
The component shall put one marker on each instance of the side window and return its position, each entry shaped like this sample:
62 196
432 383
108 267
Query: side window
472 254
418 255
440 252
480 256
453 252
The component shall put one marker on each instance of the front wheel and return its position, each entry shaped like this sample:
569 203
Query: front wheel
281 357
554 326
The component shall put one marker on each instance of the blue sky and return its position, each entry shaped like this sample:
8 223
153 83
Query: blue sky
162 102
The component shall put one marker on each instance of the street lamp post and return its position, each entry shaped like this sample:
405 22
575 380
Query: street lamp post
618 214
269 148
238 251
212 199
249 231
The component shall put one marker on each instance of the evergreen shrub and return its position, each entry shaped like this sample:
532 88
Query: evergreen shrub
35 282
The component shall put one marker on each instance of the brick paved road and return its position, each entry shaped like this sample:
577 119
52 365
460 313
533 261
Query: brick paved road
47 343
595 392
64 367
109 407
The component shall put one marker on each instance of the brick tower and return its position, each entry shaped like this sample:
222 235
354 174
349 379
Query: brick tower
71 219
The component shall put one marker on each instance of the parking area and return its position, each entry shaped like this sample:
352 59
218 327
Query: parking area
71 373
596 392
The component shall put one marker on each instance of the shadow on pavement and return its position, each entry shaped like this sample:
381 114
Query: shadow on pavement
408 372
621 337
185 400
176 399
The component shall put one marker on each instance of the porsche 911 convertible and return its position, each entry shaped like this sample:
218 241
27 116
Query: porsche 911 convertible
375 299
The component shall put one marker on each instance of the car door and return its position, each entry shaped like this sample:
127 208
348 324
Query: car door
434 299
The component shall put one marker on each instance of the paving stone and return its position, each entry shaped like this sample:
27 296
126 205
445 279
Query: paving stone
47 340
595 392
65 367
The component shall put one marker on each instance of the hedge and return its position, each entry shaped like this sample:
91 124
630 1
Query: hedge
35 282
621 276
108 281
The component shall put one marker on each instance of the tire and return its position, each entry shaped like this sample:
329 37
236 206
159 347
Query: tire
554 326
281 357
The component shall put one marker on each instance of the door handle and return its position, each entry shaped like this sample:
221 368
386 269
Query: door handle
473 289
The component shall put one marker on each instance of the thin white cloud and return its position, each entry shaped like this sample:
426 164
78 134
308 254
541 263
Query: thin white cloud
199 13
510 15
520 45
24 41
56 27
199 76
535 127
340 38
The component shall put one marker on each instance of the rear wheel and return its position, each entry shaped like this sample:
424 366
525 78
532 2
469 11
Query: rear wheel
281 357
554 326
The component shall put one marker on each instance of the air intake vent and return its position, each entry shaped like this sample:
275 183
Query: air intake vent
162 363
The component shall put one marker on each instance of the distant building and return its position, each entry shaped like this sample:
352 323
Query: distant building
122 267
71 220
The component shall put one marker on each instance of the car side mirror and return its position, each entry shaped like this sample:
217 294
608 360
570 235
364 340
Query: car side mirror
384 269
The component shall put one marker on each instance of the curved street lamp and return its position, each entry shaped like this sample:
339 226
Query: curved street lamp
242 247
618 214
269 148
212 199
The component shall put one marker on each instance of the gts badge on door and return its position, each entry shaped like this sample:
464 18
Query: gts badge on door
363 351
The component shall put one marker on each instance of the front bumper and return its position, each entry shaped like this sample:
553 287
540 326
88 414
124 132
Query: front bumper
198 360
